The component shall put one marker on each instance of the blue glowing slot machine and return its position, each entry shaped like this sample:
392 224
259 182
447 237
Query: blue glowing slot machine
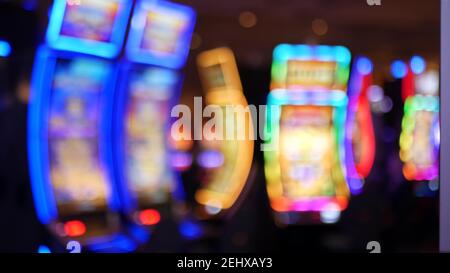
149 86
69 137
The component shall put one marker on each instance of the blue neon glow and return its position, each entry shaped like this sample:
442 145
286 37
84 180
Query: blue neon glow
418 65
176 58
364 66
44 200
107 49
190 230
399 69
44 249
5 49
112 244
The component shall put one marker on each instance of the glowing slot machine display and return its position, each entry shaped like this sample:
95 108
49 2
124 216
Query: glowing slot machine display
69 127
148 88
419 140
305 133
227 158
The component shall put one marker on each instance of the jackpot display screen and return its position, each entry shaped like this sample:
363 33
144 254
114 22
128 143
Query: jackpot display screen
306 151
76 165
162 30
160 33
150 93
91 20
310 74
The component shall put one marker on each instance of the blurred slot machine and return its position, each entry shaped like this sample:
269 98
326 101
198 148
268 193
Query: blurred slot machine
149 84
70 116
305 145
360 135
226 151
420 137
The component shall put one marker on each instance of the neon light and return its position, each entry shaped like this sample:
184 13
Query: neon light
160 33
360 148
399 69
74 228
364 66
418 65
44 249
5 49
190 230
63 34
149 217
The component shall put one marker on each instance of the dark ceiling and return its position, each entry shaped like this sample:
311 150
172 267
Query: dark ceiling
396 29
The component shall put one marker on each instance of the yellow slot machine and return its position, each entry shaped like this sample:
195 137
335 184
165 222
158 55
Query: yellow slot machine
226 150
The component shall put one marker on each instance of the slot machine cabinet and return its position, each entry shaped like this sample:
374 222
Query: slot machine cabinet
69 125
419 140
149 85
360 135
305 134
224 160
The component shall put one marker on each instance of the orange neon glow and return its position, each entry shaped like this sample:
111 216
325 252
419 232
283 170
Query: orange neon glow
149 217
74 228
220 78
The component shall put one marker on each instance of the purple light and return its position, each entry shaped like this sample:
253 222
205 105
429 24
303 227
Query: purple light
210 159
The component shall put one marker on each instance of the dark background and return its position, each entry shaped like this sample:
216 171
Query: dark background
388 211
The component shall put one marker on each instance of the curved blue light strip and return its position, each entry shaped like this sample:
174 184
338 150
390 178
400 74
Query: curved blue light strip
102 49
37 144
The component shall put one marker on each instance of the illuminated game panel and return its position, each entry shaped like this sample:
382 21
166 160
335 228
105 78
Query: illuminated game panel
160 33
76 171
310 74
95 27
418 141
308 161
306 146
310 67
218 70
91 20
150 179
162 30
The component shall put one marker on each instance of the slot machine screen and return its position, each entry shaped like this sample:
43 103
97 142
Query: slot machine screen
145 134
307 145
76 167
215 78
91 20
163 30
309 74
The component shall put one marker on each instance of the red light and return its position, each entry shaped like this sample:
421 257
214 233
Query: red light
149 217
75 228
